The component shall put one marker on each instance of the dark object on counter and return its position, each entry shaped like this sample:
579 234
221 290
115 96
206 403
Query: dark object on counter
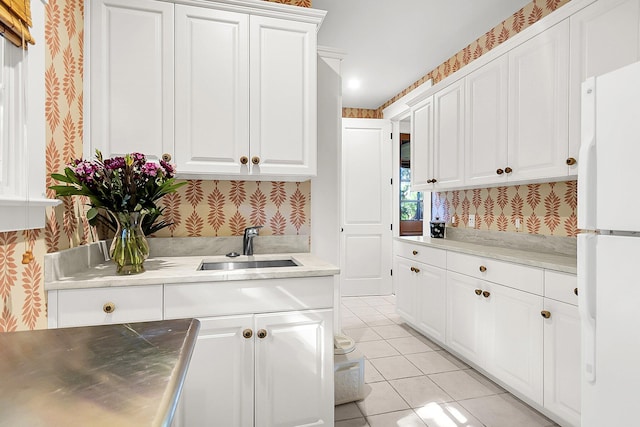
437 228
110 375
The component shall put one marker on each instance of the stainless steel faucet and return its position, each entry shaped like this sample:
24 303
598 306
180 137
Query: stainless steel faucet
247 239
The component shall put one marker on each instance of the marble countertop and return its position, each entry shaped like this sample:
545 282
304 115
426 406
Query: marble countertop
109 375
184 269
548 260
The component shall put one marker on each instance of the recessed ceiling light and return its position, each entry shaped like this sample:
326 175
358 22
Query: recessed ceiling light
353 84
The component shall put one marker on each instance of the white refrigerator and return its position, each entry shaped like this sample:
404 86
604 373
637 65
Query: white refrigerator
609 248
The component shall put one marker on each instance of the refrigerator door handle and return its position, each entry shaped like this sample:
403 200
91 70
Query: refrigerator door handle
587 194
587 302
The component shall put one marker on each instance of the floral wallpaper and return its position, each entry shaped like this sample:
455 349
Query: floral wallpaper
202 208
548 209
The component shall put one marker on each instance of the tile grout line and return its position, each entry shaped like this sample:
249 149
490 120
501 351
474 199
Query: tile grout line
438 351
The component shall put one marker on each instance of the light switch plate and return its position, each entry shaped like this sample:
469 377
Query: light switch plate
472 220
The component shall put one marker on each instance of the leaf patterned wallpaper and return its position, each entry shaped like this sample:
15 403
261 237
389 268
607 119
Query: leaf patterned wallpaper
549 209
202 208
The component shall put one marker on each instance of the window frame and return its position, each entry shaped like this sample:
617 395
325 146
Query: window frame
23 206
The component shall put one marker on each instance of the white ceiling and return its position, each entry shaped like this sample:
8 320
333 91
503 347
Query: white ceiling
392 43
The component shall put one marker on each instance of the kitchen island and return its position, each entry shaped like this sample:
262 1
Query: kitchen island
123 375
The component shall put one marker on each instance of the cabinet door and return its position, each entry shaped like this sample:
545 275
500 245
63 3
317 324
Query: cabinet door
448 137
294 369
282 97
604 37
212 90
538 105
465 320
131 77
486 123
431 301
562 361
405 286
218 389
514 339
422 145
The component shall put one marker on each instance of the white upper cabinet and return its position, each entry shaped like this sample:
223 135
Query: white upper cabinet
437 133
448 136
486 123
245 85
538 106
604 36
283 97
212 89
422 145
131 77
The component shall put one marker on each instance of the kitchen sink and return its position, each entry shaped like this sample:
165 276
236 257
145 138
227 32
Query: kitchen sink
241 265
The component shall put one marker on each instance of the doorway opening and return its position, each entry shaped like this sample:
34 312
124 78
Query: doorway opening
411 202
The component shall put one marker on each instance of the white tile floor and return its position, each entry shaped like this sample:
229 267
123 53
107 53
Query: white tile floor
411 381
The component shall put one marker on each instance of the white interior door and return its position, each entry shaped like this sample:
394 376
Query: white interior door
366 207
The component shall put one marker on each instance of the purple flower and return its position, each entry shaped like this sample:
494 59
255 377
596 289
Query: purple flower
139 159
150 169
85 170
168 168
114 163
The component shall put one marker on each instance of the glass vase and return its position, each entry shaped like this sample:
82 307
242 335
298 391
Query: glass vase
129 248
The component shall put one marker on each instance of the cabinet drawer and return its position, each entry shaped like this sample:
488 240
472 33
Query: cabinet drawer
206 299
528 279
419 253
82 307
561 286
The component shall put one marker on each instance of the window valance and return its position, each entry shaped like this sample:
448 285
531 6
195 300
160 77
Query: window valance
15 20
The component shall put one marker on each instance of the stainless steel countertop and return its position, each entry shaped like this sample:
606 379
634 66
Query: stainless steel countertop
110 375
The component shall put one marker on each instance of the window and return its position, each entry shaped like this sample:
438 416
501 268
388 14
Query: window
12 115
411 202
22 131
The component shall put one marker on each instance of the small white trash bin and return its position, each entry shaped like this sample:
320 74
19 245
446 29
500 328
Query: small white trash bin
348 370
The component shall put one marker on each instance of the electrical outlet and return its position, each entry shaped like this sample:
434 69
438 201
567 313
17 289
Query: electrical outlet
472 221
517 223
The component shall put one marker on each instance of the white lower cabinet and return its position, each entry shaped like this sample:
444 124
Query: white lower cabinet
264 370
499 329
513 346
420 288
518 323
264 353
293 364
406 285
562 347
219 383
431 300
465 317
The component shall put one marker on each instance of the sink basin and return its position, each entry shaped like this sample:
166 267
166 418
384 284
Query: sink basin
241 265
